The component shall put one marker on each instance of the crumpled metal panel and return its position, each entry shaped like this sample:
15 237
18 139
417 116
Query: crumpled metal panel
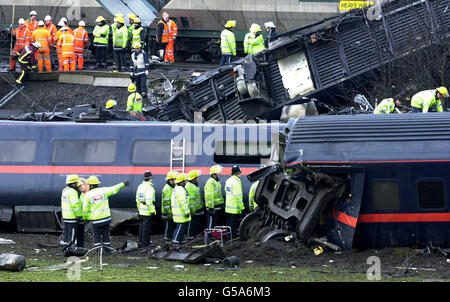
141 8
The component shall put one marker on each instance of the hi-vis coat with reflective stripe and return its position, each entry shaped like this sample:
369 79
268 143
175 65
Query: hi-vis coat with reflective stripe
145 198
234 201
425 100
70 204
96 204
166 196
80 39
195 197
180 207
213 193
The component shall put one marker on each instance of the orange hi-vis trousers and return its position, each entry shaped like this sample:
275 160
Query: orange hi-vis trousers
43 58
60 59
69 63
80 59
169 55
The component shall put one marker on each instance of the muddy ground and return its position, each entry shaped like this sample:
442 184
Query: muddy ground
395 262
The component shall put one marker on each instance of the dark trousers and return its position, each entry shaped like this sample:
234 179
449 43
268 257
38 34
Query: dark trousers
416 110
194 226
145 228
74 233
225 60
101 233
178 234
141 84
233 221
119 58
169 227
162 46
100 54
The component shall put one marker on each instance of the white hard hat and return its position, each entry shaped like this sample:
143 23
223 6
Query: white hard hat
61 23
37 44
47 18
269 24
21 21
41 23
33 12
81 23
64 28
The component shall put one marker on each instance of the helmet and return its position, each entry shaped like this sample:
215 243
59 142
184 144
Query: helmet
47 18
442 90
131 16
41 23
61 23
120 19
110 103
131 87
21 21
93 180
83 185
72 178
118 15
194 174
180 177
171 175
235 170
269 25
33 13
81 23
137 45
137 20
64 28
230 23
37 44
99 19
255 28
216 169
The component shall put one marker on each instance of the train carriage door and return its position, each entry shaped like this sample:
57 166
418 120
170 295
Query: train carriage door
341 226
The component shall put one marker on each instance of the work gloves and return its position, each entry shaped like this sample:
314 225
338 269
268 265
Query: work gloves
126 183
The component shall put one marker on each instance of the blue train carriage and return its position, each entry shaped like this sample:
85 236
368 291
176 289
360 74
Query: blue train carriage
359 181
36 157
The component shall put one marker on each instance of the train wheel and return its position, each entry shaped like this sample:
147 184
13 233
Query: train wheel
250 226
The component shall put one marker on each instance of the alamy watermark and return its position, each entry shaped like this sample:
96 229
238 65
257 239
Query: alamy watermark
374 271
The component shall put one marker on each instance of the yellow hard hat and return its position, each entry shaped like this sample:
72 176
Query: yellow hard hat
93 180
137 20
137 45
180 177
442 90
216 169
110 103
131 16
72 178
120 19
99 19
171 175
118 15
255 28
131 87
230 23
193 174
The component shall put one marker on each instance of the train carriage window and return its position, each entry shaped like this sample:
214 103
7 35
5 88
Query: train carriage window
158 152
385 196
241 152
431 194
17 151
83 151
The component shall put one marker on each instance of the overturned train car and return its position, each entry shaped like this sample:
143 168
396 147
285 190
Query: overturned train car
361 181
309 62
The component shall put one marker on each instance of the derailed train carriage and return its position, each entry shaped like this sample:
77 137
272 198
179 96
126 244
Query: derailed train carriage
361 181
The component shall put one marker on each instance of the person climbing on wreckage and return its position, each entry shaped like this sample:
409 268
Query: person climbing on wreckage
26 56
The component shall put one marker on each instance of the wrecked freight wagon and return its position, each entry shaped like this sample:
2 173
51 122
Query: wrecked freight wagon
357 181
312 61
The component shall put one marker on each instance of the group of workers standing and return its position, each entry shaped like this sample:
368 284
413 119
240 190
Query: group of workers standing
183 208
422 101
254 41
36 39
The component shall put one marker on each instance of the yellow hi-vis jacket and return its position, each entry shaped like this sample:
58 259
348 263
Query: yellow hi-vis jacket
386 106
251 196
425 100
195 198
96 204
228 42
234 201
166 206
145 198
180 206
70 204
213 193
